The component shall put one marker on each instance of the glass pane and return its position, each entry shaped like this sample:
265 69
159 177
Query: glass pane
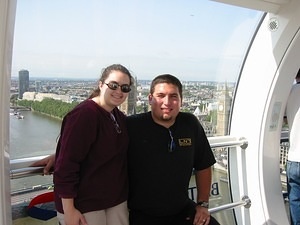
64 45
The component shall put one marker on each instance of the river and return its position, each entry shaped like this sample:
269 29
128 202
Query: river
34 135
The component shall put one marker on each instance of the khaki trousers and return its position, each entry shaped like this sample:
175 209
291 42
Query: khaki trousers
117 215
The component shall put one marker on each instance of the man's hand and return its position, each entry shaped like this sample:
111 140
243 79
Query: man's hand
202 216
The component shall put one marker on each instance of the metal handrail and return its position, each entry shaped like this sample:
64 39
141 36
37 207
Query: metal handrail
24 162
26 172
227 141
245 201
21 167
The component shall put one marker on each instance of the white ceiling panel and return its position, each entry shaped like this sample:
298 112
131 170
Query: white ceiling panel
272 6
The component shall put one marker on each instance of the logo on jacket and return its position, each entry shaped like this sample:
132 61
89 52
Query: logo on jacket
185 142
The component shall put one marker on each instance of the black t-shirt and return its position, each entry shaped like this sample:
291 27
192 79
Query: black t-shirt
158 178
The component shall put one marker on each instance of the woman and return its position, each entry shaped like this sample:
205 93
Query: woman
90 175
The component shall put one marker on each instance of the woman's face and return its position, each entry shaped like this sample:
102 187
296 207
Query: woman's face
110 97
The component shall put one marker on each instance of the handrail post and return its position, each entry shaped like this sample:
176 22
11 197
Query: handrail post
245 201
244 144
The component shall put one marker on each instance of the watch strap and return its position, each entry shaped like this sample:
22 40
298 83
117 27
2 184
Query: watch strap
203 204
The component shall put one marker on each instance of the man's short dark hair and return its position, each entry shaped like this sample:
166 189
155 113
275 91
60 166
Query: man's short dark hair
166 78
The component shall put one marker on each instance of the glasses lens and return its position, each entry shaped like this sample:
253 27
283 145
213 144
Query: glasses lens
113 86
125 88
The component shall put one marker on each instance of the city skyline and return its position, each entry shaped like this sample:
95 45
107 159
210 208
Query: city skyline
96 79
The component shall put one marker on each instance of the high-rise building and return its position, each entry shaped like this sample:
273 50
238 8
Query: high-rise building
38 85
23 82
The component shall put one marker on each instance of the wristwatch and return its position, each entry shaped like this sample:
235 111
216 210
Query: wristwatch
203 204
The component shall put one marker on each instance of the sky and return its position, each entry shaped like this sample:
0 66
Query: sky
191 39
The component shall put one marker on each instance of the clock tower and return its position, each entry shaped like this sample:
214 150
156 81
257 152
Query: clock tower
223 111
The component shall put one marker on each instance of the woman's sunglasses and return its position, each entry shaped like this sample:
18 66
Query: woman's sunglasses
114 86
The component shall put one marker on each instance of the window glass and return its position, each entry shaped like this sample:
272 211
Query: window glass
63 46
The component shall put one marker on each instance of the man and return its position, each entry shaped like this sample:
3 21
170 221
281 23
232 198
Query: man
293 163
165 147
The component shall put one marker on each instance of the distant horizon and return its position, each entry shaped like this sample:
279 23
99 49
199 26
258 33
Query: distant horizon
92 79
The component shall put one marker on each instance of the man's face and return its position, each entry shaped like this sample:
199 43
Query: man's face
165 103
